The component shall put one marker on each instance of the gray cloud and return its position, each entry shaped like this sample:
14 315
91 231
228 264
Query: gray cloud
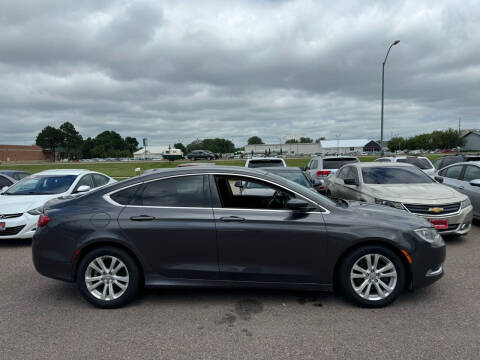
174 70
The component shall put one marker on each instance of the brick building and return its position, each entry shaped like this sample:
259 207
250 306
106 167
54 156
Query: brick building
23 153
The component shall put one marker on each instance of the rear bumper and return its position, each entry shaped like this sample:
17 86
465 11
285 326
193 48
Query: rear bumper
46 265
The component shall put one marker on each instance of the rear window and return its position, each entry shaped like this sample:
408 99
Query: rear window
420 163
338 163
124 197
265 163
390 175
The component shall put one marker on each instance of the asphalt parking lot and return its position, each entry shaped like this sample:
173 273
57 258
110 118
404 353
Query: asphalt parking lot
47 319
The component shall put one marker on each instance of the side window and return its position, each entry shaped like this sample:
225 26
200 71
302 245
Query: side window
100 180
19 175
124 197
353 173
181 191
86 180
453 172
471 173
247 193
343 173
309 166
314 164
450 160
4 182
437 163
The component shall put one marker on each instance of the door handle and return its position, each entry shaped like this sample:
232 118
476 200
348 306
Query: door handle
232 218
142 218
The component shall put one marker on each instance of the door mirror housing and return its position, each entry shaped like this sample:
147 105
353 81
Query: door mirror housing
239 184
298 204
350 182
439 179
475 182
82 189
5 188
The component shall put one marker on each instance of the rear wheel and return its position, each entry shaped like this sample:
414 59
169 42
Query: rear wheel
108 277
372 276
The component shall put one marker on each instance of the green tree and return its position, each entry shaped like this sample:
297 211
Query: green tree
320 139
255 140
181 147
396 143
131 144
87 147
49 139
72 140
306 140
291 141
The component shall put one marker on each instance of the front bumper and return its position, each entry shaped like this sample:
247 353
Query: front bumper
26 223
459 223
427 264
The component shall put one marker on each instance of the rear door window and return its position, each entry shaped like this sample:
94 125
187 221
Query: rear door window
181 191
124 197
337 163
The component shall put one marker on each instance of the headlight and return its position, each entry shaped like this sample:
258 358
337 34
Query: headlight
394 204
465 203
34 212
429 235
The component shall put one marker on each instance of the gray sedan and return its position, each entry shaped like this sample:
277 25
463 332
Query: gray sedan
465 178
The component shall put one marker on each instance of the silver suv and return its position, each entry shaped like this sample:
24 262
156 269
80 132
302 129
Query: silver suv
319 168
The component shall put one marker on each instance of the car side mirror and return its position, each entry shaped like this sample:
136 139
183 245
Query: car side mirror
439 179
298 204
82 189
5 188
350 182
475 182
239 184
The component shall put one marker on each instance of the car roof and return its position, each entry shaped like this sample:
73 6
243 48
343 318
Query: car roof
335 157
476 162
380 164
266 158
64 172
13 172
279 169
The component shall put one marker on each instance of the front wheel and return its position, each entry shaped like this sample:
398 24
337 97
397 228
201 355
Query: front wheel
108 277
372 276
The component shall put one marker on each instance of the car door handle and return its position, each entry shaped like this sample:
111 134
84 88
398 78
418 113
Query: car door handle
142 218
232 218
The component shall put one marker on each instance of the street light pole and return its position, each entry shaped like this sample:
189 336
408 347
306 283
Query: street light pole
383 86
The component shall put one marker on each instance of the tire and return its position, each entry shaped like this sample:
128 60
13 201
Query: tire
394 279
125 282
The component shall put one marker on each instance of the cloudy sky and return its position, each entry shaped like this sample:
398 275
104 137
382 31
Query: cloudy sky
180 70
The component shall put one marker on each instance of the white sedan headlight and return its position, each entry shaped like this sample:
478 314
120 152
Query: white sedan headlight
394 204
465 203
430 235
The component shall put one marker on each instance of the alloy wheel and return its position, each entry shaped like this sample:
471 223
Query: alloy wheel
106 278
373 277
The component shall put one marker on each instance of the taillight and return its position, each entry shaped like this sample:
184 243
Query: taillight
43 220
323 173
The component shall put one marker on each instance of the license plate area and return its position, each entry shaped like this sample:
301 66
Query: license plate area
440 224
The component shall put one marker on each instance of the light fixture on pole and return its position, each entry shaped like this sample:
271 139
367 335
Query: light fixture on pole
383 82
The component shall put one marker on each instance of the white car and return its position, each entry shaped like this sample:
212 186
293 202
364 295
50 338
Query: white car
405 187
256 162
320 167
422 162
20 202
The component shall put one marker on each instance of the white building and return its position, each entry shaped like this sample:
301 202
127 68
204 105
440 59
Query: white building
325 147
156 152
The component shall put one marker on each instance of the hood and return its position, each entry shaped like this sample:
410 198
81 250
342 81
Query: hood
380 214
12 204
431 193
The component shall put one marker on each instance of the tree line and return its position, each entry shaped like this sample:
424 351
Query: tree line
69 143
439 139
216 145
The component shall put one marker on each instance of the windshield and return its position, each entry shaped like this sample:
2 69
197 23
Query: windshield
391 175
295 176
265 163
337 163
42 185
418 162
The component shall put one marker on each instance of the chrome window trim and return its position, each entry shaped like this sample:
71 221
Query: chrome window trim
107 198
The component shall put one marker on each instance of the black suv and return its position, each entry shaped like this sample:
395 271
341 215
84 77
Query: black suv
201 155
444 161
